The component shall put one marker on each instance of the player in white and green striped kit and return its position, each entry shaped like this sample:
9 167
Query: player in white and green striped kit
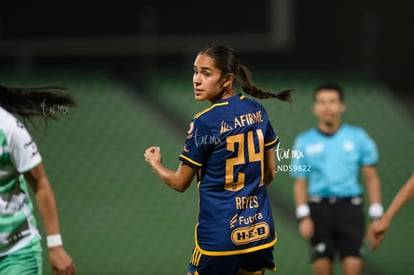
21 166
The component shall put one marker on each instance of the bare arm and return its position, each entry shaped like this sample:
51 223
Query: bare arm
378 229
300 191
373 184
375 210
269 166
45 198
37 179
179 180
406 193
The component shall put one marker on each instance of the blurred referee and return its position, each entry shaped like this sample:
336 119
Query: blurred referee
328 195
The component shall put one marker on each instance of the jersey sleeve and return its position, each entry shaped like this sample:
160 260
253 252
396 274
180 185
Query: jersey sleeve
369 152
195 147
271 138
23 150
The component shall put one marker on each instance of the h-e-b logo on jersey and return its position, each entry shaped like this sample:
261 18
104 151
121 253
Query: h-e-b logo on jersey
249 234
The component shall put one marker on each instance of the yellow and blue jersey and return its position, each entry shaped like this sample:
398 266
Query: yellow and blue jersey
334 161
226 144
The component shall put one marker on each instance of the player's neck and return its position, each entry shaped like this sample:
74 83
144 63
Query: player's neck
329 128
223 95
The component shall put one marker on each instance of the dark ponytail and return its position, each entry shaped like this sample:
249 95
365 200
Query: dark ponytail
46 101
243 76
228 61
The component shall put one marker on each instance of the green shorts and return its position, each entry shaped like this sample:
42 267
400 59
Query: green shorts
26 261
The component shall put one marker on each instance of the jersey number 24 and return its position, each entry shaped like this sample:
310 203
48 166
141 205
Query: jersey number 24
243 156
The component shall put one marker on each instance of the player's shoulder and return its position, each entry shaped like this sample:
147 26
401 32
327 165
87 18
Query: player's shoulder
7 120
252 102
205 119
222 106
4 114
212 110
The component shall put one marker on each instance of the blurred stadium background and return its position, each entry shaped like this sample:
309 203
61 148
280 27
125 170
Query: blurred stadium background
130 66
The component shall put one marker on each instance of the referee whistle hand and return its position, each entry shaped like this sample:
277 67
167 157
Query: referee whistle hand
306 228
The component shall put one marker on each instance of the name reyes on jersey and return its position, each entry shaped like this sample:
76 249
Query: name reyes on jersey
246 202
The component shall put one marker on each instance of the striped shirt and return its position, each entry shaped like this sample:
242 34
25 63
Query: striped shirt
18 154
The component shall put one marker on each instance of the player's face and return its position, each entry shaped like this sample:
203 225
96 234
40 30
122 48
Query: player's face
328 106
208 81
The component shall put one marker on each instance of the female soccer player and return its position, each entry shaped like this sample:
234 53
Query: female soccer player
230 148
20 166
378 229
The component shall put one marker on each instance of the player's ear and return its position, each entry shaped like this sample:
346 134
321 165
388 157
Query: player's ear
228 80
